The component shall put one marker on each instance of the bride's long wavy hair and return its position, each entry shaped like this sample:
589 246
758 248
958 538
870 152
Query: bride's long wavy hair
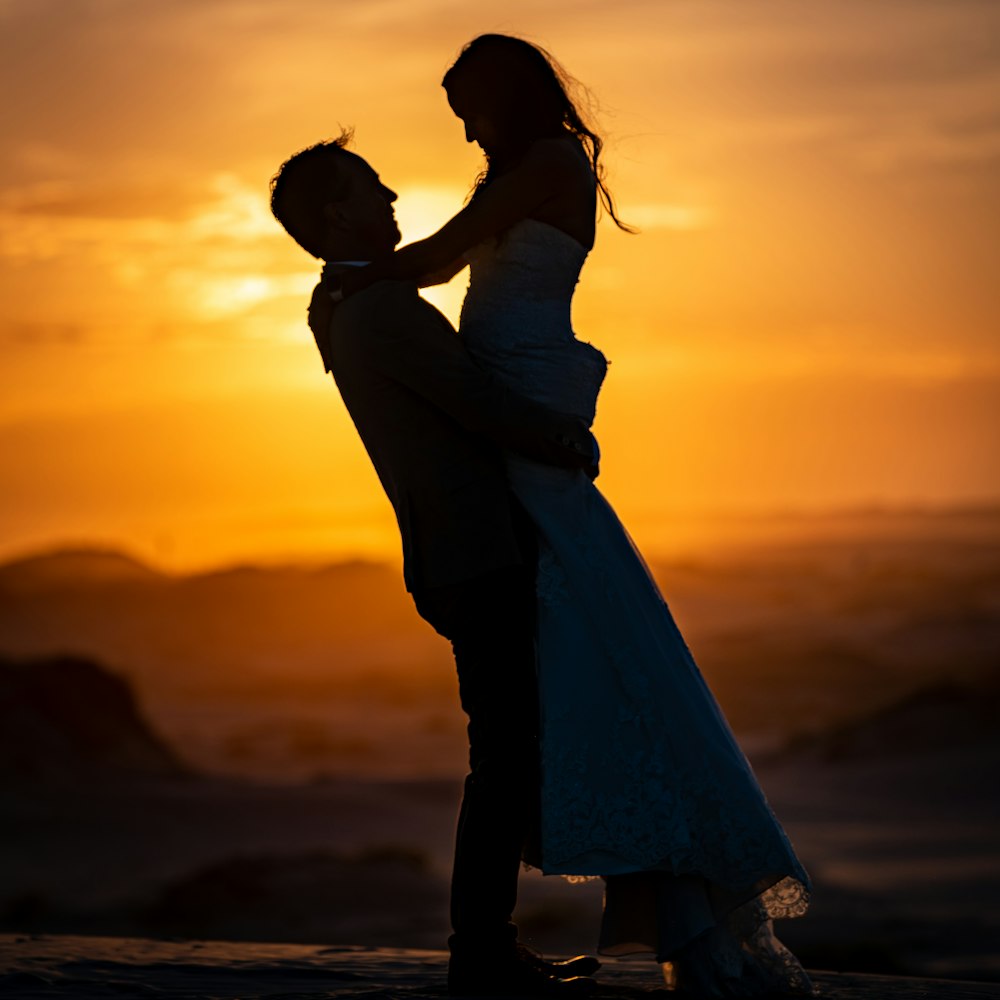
525 93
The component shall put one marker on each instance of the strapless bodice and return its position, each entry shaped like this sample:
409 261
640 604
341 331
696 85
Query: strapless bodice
516 316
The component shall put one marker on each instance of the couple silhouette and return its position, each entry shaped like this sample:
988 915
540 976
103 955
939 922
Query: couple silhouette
595 747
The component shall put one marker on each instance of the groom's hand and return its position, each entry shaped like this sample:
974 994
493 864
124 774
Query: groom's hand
319 315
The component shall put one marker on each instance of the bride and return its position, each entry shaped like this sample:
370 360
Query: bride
642 780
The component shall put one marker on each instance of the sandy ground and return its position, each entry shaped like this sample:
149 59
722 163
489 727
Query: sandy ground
39 968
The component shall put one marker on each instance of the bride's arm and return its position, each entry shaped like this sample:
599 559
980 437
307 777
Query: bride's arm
508 199
320 309
444 275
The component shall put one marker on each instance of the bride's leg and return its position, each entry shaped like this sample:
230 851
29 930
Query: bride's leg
683 912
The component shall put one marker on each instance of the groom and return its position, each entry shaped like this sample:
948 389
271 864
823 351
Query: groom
433 425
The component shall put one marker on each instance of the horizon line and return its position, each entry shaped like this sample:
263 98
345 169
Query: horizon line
120 549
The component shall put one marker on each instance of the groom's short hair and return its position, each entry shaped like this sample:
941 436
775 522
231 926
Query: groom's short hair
304 185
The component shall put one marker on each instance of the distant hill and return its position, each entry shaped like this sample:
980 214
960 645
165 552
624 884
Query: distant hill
73 568
291 669
235 629
950 715
66 718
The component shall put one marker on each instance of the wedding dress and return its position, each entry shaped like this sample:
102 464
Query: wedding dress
642 779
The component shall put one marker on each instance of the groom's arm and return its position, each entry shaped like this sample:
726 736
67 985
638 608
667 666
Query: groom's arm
414 346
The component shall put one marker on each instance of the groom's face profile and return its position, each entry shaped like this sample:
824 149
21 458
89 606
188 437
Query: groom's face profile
366 209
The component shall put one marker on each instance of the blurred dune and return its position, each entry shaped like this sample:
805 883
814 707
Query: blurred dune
292 673
236 627
945 716
68 719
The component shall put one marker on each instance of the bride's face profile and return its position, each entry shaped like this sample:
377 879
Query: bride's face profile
480 128
507 93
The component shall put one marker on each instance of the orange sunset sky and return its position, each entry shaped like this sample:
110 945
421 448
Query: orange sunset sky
808 320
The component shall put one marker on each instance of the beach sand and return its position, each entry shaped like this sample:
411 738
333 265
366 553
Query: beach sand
84 968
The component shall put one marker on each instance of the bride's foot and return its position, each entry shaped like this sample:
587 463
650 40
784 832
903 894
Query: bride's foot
715 966
712 967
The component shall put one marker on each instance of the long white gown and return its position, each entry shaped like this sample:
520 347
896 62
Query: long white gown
641 775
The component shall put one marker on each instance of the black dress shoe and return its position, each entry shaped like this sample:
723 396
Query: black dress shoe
581 965
513 977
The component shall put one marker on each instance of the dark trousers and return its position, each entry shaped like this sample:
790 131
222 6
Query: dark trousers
490 621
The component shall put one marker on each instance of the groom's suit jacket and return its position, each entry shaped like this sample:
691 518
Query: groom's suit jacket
433 424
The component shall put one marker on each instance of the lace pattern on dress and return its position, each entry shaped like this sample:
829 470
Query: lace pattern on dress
739 957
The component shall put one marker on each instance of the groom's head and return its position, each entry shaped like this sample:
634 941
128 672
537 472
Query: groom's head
333 204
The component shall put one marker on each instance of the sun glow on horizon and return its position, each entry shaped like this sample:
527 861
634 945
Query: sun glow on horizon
807 320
